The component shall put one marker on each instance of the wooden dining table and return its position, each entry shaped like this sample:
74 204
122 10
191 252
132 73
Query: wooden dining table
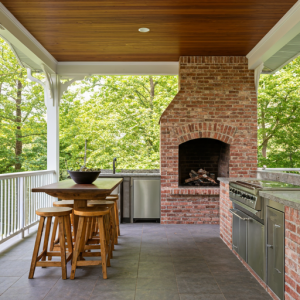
80 193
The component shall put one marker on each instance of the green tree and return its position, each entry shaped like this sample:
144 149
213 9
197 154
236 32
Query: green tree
22 112
119 116
279 113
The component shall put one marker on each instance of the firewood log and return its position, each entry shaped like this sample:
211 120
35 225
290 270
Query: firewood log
208 178
201 171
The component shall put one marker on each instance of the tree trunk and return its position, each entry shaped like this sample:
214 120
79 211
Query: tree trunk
264 148
152 86
18 148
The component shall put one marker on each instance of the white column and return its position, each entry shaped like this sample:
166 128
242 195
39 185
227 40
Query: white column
52 126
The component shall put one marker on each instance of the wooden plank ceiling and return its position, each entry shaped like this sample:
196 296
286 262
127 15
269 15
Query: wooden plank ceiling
102 30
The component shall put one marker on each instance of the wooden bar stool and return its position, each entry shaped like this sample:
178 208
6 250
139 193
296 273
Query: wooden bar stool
115 198
101 215
64 224
113 225
54 242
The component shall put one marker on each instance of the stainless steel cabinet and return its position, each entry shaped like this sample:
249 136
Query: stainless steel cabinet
275 251
239 233
146 198
248 240
256 247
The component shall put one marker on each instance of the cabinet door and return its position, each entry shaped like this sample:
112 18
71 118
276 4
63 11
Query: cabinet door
256 247
146 198
239 234
275 251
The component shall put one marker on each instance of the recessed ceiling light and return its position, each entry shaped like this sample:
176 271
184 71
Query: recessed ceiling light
143 29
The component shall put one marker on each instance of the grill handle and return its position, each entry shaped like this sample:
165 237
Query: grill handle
236 213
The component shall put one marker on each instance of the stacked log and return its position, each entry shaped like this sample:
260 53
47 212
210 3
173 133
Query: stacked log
200 178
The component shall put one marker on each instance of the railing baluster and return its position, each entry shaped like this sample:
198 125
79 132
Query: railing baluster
1 209
18 204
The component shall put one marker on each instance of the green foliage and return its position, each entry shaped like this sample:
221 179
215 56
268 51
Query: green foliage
119 116
279 117
22 117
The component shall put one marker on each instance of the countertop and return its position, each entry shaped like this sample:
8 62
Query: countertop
287 198
129 175
228 179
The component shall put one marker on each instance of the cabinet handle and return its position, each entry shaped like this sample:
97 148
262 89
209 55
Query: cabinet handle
274 242
233 211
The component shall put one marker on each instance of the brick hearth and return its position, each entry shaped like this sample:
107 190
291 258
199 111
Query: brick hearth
217 100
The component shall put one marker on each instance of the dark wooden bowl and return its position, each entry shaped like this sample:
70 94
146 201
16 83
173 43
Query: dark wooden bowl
84 177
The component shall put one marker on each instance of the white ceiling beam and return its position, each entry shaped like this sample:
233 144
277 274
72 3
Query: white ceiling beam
117 68
16 34
285 30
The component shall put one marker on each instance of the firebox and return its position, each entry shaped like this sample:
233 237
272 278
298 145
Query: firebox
201 161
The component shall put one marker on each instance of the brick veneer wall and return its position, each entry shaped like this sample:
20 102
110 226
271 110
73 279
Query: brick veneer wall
292 254
217 99
225 215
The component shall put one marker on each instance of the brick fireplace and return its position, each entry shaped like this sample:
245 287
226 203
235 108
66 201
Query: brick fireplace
211 123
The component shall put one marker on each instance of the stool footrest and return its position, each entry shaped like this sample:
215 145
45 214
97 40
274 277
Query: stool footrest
48 264
89 262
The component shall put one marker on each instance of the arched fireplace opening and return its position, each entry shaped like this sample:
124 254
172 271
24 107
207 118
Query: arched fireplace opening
210 155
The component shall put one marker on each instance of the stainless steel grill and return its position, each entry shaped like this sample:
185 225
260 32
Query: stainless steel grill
248 224
245 195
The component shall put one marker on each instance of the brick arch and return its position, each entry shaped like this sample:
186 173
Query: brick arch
187 132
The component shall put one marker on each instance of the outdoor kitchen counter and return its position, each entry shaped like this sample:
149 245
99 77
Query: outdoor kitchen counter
130 175
287 198
226 180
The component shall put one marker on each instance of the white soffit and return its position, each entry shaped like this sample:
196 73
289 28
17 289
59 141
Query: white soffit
280 45
118 68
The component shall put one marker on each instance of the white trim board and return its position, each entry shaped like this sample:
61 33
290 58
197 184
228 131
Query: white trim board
20 37
118 68
285 30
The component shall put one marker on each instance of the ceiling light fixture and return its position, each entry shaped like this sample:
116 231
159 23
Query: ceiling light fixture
143 29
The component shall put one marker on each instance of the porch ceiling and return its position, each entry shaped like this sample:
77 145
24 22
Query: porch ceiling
94 30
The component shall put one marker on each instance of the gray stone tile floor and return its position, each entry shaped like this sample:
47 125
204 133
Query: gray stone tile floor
151 262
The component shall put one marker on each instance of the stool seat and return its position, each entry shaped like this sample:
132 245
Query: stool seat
91 211
100 202
53 211
112 197
64 203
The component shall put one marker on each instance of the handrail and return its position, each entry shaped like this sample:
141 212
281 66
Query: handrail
25 174
279 169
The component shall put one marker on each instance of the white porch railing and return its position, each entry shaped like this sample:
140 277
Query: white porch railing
18 204
279 169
